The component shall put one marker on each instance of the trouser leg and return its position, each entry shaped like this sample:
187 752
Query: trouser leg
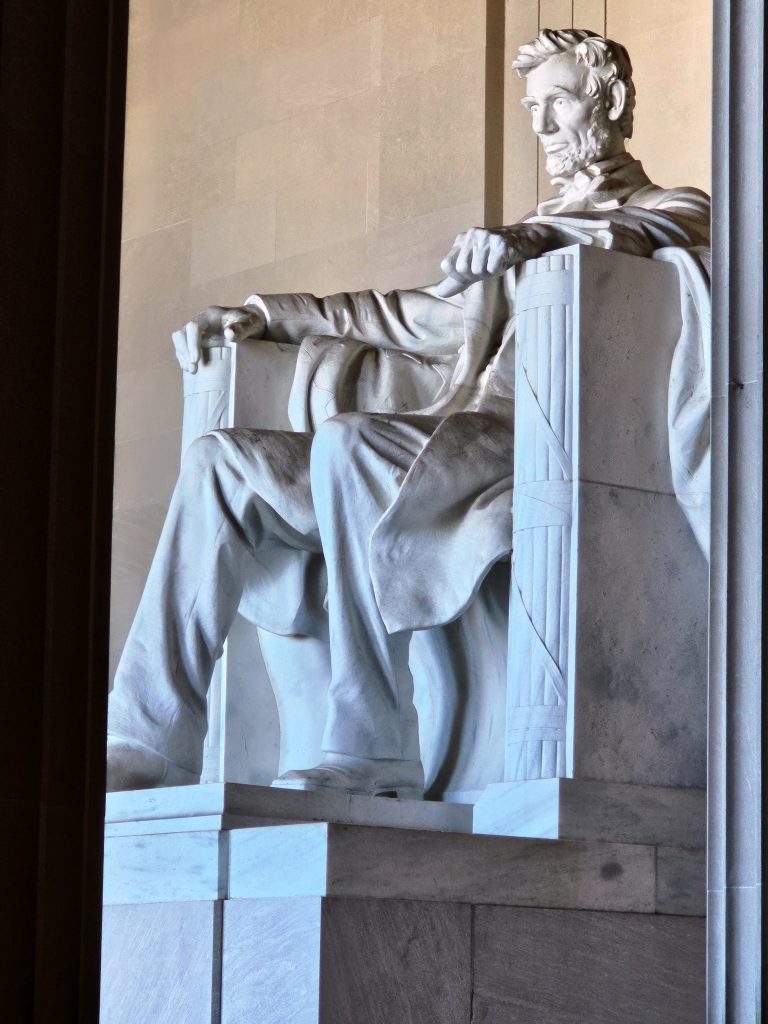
215 524
357 465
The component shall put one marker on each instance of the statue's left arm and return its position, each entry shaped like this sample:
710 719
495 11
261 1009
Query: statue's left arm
658 218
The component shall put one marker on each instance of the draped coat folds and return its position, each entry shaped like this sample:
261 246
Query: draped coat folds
413 350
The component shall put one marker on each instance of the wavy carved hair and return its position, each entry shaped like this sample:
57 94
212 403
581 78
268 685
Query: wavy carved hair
607 61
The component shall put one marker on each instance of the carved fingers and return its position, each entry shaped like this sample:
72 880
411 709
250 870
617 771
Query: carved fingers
216 326
482 253
186 343
475 255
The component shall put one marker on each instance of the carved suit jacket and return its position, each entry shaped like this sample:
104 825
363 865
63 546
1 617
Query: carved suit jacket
412 350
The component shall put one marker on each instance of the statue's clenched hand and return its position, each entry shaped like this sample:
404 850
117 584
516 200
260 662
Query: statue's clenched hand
487 252
214 327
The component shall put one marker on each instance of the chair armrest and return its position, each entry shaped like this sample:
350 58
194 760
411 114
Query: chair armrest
245 385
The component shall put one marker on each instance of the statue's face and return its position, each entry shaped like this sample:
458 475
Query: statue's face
572 126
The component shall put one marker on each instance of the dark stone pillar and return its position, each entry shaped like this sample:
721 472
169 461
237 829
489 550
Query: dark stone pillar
737 648
62 86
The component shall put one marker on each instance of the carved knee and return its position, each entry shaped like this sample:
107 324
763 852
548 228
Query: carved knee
337 437
201 456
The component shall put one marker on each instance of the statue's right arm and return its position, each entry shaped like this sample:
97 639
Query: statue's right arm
214 327
417 320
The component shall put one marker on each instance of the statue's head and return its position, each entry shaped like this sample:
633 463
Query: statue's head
580 96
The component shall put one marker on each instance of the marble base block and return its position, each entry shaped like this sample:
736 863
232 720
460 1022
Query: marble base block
332 960
318 923
318 859
570 967
346 961
591 810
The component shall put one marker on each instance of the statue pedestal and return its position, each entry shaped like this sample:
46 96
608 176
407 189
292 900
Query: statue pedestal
230 903
227 805
318 922
603 811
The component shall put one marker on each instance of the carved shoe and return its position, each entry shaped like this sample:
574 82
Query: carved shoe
134 766
360 775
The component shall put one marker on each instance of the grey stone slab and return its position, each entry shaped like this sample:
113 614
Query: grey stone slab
271 961
235 805
637 712
568 967
627 334
165 868
161 964
590 810
338 860
395 962
681 881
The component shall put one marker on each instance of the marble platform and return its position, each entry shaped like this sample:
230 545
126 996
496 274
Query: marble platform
588 809
220 805
321 859
322 923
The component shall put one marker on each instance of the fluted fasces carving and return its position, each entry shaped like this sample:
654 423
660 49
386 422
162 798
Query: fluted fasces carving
542 514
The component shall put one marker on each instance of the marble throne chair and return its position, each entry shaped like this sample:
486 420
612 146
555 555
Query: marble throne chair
589 671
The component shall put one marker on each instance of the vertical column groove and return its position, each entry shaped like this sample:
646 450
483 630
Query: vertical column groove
735 954
494 112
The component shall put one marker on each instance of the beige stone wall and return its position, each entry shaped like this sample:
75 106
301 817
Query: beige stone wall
320 145
311 145
670 44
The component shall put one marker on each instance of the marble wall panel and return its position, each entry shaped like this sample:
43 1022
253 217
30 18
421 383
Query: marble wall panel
161 963
136 532
521 148
149 401
275 147
395 960
152 265
166 867
231 238
671 50
565 967
271 961
304 960
390 863
681 881
590 14
432 144
145 470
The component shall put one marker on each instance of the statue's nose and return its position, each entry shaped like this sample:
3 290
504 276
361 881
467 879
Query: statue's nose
543 122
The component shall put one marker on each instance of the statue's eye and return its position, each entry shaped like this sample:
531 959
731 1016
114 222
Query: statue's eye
559 102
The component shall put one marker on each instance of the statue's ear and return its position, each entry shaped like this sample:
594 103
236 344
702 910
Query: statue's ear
615 100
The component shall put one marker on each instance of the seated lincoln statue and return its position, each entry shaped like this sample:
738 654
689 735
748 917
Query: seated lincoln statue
378 524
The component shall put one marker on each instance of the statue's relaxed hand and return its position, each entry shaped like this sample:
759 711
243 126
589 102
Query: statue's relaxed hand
214 327
487 252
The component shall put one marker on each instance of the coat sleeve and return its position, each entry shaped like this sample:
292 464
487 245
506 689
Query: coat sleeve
660 218
414 321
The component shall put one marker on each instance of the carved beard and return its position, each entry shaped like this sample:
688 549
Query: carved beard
568 161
